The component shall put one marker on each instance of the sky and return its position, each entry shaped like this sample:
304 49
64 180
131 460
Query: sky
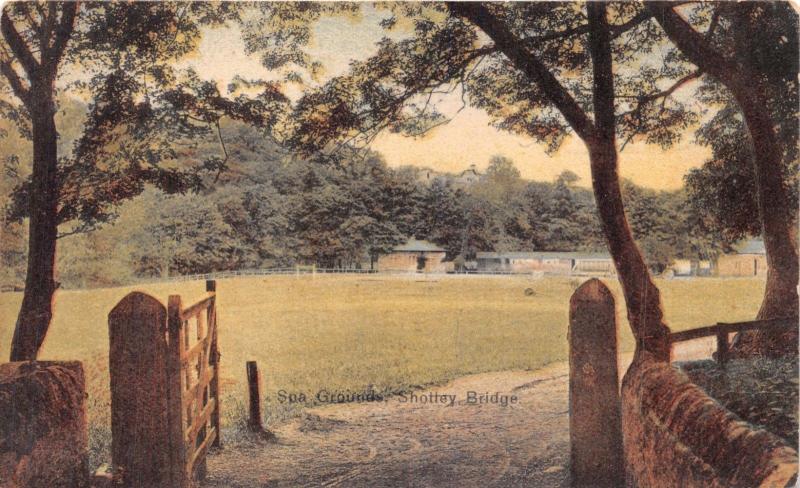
468 138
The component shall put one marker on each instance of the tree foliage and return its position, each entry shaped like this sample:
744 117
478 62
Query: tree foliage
270 209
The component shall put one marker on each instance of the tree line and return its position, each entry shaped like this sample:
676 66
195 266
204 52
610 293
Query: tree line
272 210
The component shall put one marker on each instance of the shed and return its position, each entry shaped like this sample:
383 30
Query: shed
749 258
415 255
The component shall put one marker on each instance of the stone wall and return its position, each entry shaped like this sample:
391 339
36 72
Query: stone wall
43 437
675 435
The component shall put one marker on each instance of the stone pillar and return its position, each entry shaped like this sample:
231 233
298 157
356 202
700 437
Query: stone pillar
594 404
43 436
138 364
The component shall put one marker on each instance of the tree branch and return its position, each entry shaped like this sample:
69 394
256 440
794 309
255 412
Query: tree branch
615 29
691 43
602 70
619 29
224 151
34 26
18 47
48 23
20 90
63 32
528 63
672 89
713 24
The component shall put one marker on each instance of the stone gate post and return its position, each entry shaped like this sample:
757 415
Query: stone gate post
595 428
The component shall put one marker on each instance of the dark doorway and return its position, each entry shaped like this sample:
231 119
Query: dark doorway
421 260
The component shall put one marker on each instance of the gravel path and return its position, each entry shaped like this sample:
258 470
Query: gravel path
395 443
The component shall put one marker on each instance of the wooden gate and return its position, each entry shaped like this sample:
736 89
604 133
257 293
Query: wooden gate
192 366
164 365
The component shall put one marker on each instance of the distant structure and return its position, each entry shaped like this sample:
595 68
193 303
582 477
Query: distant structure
463 179
689 267
468 176
414 255
748 259
559 263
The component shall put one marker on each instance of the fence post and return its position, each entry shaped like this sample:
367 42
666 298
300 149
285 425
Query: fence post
722 347
255 397
595 427
176 385
138 369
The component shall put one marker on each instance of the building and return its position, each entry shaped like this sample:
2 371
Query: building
749 258
689 267
414 255
561 263
467 177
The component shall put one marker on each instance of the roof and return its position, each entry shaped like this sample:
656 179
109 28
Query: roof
543 255
750 246
414 245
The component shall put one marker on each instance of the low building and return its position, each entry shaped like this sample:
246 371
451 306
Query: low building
689 267
749 258
562 263
681 267
414 255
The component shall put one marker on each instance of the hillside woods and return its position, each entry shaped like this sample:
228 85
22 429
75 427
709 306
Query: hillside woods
270 208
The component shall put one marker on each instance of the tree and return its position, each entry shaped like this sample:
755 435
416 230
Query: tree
747 55
184 234
641 295
53 31
139 115
545 69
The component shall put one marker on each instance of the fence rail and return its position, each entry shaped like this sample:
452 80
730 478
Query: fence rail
722 331
308 270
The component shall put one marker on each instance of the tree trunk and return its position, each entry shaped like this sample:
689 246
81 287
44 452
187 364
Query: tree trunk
37 303
780 296
642 297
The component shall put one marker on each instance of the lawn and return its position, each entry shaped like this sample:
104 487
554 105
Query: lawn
348 333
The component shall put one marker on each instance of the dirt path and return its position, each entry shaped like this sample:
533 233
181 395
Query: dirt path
397 443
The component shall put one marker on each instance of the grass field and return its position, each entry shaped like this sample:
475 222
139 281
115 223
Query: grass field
353 332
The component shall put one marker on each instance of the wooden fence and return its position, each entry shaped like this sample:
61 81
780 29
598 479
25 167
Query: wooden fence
723 331
164 365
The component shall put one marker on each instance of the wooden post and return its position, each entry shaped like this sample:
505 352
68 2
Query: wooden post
722 347
594 405
176 386
255 397
211 286
138 368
